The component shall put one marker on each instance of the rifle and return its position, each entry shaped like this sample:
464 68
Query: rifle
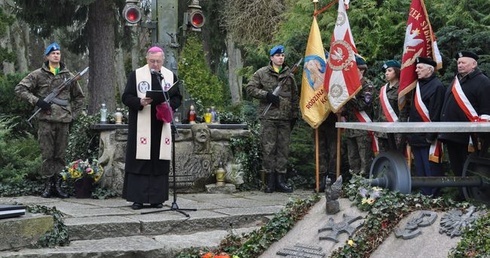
56 91
279 86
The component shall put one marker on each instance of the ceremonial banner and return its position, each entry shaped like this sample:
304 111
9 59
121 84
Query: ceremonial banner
419 42
313 101
341 77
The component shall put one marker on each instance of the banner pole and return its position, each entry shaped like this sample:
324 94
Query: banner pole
317 163
317 12
339 132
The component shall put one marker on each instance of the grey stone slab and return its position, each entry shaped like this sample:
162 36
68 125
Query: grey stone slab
428 244
112 203
263 210
94 212
100 220
305 232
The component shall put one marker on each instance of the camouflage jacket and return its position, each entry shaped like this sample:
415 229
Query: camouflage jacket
363 101
266 80
40 83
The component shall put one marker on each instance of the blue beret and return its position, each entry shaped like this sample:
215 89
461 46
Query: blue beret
426 60
391 63
466 54
279 49
52 47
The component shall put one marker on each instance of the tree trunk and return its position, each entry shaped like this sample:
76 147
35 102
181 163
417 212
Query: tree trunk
20 32
102 82
235 63
120 75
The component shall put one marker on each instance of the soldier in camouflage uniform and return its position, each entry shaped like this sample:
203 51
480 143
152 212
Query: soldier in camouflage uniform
55 117
359 109
278 122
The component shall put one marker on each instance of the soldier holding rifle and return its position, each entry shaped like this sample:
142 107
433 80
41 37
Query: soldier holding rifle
278 121
55 116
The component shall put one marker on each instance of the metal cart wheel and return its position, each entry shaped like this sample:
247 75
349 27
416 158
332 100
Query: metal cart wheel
389 170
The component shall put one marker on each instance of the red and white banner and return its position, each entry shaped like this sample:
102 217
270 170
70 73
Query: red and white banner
420 41
342 80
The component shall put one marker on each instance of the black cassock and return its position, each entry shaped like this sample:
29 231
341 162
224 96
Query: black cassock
146 181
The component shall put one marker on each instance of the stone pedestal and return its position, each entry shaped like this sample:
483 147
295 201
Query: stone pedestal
199 149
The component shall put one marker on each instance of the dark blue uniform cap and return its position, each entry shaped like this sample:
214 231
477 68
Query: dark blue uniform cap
360 61
426 60
466 54
279 49
52 47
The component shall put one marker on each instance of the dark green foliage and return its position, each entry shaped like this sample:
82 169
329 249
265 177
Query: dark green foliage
205 88
102 193
247 153
22 188
83 141
16 109
302 155
19 156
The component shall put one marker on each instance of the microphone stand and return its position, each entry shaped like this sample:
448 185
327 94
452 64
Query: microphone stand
175 206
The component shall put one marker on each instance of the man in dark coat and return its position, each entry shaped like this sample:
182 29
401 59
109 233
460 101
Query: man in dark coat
426 107
149 139
472 84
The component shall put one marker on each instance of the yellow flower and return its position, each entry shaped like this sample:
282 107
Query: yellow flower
364 201
77 174
370 201
350 242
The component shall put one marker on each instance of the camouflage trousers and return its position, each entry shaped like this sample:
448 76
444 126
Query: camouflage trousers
275 139
360 154
53 141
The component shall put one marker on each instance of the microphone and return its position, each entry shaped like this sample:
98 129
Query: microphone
153 71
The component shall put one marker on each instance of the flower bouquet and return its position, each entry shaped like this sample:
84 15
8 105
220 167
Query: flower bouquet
84 174
79 169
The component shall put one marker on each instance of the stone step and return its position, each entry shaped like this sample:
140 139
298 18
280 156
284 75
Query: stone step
110 228
167 245
148 225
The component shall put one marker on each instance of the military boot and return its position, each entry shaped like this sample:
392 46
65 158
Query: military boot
57 187
271 184
281 184
48 188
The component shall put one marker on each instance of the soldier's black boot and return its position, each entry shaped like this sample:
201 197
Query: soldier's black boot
48 188
57 187
271 183
281 184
